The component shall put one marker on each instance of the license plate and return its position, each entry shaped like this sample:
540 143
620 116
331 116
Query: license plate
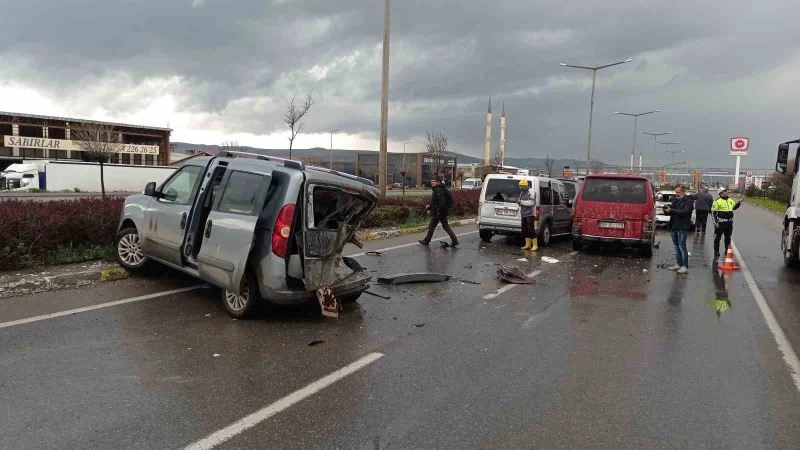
612 224
505 212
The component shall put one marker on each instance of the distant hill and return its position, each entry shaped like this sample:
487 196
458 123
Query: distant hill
349 156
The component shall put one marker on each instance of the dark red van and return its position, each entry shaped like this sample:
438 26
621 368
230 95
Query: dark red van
615 208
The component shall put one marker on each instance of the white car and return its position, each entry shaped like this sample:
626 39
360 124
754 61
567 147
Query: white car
664 198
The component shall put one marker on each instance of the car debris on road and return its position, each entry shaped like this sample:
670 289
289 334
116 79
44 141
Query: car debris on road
513 274
406 278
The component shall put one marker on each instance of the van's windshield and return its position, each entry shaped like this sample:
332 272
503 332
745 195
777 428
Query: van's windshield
614 190
502 190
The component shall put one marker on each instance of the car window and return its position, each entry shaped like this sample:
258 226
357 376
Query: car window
502 190
614 190
545 194
178 189
557 194
570 188
241 193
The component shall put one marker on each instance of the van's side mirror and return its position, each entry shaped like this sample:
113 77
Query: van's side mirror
150 189
782 162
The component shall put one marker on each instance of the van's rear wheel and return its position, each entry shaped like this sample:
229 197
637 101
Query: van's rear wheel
241 305
545 235
485 235
577 245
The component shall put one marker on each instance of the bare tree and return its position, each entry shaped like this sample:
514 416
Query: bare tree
436 146
230 146
99 143
548 165
294 116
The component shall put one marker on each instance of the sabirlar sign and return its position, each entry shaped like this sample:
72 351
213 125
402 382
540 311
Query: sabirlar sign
67 144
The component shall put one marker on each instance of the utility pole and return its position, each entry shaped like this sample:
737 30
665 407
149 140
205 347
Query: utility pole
382 157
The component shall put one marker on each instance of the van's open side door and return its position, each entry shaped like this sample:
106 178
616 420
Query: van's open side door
228 234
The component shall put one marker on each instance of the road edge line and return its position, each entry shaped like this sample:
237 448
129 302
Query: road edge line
70 312
784 346
251 420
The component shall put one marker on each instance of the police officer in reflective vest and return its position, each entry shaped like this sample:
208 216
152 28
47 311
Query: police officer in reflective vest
722 214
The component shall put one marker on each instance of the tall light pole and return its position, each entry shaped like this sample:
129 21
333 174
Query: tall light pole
635 125
382 157
333 131
672 154
591 103
655 138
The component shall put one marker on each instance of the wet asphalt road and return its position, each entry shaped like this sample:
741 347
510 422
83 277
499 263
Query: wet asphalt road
596 354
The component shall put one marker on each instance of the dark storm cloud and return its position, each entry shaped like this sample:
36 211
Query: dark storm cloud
238 59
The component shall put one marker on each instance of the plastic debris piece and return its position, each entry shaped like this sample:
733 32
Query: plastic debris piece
419 325
550 260
315 342
467 281
444 244
208 315
373 253
468 266
405 278
644 270
523 259
377 295
327 302
513 274
216 355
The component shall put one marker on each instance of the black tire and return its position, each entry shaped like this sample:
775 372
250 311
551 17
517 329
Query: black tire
241 306
485 235
350 298
647 250
128 250
545 235
577 245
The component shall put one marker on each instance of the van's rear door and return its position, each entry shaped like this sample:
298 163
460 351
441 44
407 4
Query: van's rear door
229 231
332 212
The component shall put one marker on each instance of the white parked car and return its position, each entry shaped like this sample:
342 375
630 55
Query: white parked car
664 198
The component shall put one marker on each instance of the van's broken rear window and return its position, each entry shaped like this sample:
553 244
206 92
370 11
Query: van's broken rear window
333 207
614 190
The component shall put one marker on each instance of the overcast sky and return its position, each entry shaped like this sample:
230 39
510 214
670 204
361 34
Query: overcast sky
221 69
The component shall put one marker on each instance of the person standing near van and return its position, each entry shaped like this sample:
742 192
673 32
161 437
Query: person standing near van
702 204
722 214
680 212
527 201
439 209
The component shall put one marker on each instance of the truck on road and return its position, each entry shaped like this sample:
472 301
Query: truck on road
790 235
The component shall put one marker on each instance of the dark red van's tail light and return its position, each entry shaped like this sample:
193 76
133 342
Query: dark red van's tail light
282 230
538 210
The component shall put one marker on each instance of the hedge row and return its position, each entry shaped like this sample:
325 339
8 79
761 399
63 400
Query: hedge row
33 232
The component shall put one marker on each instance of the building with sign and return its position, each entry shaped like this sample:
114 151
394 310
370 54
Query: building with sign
419 168
31 137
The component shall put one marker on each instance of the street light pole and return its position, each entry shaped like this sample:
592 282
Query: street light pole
383 156
655 138
333 131
403 171
591 103
635 125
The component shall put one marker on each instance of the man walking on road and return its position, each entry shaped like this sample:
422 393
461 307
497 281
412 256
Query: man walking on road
702 204
439 209
680 212
722 214
527 202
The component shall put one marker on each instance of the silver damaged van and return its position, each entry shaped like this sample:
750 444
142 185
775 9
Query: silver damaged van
257 227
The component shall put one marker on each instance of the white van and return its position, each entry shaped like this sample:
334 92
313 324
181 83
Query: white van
498 210
471 183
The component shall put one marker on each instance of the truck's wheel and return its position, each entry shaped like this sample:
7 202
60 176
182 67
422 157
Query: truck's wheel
485 235
128 250
242 305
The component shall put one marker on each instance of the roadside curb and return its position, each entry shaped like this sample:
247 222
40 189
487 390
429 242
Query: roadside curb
373 235
34 283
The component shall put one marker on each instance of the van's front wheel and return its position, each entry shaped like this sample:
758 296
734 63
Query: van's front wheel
485 235
545 235
129 250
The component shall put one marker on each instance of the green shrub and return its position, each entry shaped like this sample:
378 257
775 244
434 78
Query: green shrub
387 215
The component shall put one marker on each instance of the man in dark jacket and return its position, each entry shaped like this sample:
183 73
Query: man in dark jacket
680 220
702 204
439 209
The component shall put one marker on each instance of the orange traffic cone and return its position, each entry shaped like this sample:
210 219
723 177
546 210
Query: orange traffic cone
728 264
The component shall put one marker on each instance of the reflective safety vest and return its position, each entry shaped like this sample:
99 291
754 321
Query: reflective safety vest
722 210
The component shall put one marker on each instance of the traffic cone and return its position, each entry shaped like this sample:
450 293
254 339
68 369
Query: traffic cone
728 264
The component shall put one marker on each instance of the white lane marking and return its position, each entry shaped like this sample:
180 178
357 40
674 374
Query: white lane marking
70 312
784 346
249 421
508 287
406 245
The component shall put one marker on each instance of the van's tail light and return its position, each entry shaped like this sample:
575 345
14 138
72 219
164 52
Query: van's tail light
282 230
538 210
